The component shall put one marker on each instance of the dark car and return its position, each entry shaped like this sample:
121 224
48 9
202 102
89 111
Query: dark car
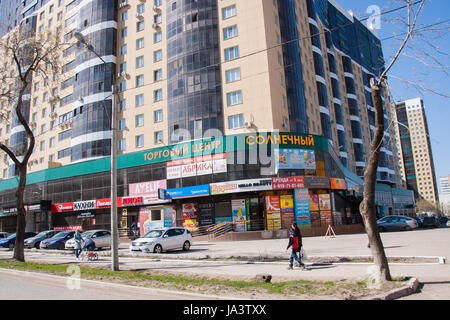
443 220
419 221
430 222
58 241
396 223
35 241
11 240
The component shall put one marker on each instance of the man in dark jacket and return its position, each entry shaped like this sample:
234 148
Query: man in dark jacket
295 240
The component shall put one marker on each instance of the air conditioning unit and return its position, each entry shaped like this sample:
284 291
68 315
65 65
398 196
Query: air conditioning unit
139 16
33 124
156 26
248 124
53 115
156 9
123 5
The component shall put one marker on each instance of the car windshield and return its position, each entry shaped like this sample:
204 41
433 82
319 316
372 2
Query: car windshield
42 234
87 234
11 236
60 235
153 234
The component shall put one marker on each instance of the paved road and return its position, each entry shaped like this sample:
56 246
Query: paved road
19 285
435 243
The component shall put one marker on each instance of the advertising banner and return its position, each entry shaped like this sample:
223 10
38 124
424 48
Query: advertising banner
188 192
326 218
147 188
273 212
238 209
84 205
301 204
324 202
283 183
197 166
337 184
170 215
241 186
287 211
205 214
68 228
314 202
190 216
295 159
317 183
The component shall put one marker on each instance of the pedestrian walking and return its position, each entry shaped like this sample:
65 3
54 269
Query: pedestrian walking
295 241
78 240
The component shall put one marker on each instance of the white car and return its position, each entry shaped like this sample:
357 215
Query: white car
163 239
101 238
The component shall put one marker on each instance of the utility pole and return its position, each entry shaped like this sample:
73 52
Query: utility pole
114 227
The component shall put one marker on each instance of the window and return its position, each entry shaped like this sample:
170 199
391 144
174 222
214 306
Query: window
157 18
234 98
140 26
140 80
122 124
236 121
158 115
122 105
123 49
140 141
44 112
231 53
42 146
157 55
140 43
233 75
140 120
140 8
157 37
122 85
51 142
229 12
158 137
123 33
140 62
230 32
139 100
157 75
157 95
157 3
124 15
123 67
122 145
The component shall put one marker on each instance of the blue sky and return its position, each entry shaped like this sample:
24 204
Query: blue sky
437 108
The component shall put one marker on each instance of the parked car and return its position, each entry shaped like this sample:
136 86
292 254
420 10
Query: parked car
396 223
58 241
443 220
4 235
419 221
11 240
101 238
163 239
430 222
35 241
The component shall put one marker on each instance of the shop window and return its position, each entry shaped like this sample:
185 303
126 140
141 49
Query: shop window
156 215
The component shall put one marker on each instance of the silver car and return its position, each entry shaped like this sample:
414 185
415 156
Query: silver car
4 235
101 238
35 242
163 239
396 223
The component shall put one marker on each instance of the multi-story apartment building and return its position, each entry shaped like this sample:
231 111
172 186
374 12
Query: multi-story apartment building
194 69
415 154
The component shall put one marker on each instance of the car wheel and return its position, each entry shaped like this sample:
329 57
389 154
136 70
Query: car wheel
37 245
186 245
382 229
158 249
61 246
407 228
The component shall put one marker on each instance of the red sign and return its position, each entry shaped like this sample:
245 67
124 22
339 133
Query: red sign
62 207
103 203
273 204
288 183
338 184
132 201
190 211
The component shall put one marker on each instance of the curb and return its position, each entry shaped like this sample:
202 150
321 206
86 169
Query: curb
410 288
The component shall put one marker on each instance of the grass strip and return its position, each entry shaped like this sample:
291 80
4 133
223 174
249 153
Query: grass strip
340 289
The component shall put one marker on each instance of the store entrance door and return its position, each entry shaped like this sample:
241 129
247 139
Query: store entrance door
256 215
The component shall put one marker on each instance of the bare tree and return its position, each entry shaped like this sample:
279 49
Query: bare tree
367 206
29 53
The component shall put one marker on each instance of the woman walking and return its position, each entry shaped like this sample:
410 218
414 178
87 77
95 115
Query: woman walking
78 239
295 240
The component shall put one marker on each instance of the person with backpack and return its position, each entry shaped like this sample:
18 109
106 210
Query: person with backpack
295 240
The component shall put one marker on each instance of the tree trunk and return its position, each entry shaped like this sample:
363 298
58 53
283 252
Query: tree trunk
19 254
367 206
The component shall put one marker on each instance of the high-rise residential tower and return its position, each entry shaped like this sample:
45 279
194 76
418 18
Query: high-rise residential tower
444 195
192 70
414 145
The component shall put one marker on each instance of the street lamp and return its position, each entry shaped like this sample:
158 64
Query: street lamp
114 230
